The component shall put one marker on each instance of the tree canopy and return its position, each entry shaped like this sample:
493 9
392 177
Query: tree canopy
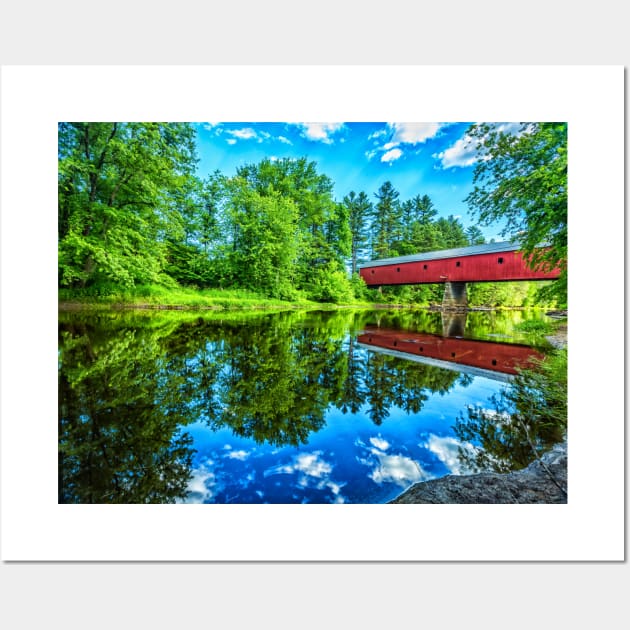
521 180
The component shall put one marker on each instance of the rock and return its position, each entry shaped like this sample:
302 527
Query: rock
561 314
530 485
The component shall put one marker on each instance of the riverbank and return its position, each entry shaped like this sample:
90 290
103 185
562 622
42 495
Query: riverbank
543 481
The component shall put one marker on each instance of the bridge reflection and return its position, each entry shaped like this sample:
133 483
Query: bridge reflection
498 361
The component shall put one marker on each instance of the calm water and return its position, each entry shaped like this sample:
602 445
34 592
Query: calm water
296 407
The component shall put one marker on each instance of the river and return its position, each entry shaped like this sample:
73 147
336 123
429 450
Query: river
345 406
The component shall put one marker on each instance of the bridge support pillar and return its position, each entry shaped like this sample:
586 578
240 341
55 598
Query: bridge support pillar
455 296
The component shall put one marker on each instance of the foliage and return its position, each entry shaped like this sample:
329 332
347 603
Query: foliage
321 231
474 235
330 284
522 180
451 233
526 419
121 197
359 209
509 294
265 240
386 223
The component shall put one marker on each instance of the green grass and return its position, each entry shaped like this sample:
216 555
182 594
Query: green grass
155 296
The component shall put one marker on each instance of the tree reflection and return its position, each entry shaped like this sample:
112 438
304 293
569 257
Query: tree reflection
120 438
130 384
526 419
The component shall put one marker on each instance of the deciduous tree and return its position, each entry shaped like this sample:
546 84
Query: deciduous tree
521 180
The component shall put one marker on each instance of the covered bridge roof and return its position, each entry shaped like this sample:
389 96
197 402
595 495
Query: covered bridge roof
473 250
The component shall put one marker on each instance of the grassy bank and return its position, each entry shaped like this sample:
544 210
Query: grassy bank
183 298
157 297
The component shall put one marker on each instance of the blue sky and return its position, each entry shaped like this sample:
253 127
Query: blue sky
418 158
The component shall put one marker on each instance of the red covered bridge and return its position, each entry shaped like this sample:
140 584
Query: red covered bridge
492 262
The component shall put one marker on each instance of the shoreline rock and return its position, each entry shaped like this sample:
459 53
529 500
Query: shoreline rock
532 484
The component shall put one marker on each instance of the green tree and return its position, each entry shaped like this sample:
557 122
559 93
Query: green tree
122 195
359 210
386 221
322 224
522 181
265 242
451 232
418 230
474 235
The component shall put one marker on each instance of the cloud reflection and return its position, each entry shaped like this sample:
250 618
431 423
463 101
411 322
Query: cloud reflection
390 468
202 486
312 472
447 449
380 443
240 455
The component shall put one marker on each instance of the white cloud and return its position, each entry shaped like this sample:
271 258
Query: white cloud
370 154
247 133
284 140
414 133
231 141
464 152
391 156
377 134
209 126
389 145
320 132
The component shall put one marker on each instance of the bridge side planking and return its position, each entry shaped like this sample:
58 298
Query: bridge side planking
494 262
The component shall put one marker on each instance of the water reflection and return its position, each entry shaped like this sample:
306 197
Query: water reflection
288 407
490 359
453 324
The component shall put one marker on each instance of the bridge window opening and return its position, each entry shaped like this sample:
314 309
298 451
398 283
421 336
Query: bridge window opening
420 349
453 354
372 271
458 264
500 260
397 268
494 361
395 343
424 266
